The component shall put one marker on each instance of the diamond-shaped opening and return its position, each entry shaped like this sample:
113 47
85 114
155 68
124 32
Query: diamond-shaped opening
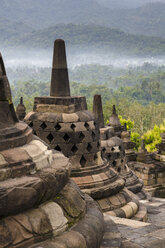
86 125
114 163
81 136
118 169
89 147
43 125
83 161
31 124
57 148
73 126
95 157
35 133
57 127
103 150
74 149
93 135
112 149
66 137
122 160
50 137
109 156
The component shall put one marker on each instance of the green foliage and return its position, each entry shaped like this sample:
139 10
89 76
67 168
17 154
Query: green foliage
152 138
129 123
133 102
135 137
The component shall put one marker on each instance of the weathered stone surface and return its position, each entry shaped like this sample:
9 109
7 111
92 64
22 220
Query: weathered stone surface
98 110
5 237
56 217
19 232
60 79
92 225
39 222
71 201
70 239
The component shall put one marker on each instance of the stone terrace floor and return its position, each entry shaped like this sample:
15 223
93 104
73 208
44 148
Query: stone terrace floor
136 234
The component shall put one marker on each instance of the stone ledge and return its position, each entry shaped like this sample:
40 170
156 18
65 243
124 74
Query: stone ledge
105 191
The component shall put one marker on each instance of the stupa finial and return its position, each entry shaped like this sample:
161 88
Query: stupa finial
114 110
21 100
60 79
98 110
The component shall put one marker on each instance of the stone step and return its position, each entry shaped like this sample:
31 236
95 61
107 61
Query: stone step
141 215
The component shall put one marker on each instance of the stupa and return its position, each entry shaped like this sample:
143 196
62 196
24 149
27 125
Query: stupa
151 168
129 146
113 150
66 125
21 110
114 122
39 205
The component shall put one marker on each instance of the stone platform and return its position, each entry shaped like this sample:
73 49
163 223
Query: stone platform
137 234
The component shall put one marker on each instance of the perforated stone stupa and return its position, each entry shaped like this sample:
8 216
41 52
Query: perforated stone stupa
66 125
39 205
113 149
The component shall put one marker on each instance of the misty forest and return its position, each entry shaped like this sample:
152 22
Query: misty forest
114 48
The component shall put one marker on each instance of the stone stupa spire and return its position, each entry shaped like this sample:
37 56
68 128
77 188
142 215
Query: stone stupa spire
98 110
59 79
21 110
114 119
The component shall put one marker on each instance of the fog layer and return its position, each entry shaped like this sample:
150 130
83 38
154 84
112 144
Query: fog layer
43 59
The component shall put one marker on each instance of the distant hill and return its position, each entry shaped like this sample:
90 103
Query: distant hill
17 16
44 13
125 4
11 30
148 19
92 38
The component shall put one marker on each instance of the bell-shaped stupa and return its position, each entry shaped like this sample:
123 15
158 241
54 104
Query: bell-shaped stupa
113 150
